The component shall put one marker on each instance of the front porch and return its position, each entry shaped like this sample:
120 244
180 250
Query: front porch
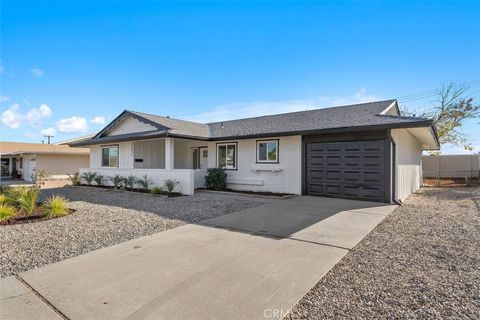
160 159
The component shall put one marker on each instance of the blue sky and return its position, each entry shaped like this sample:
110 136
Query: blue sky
69 67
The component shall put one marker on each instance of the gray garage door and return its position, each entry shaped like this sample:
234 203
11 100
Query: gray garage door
354 169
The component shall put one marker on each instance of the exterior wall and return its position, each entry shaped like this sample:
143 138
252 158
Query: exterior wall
125 155
152 152
130 125
408 160
56 164
451 166
282 177
185 177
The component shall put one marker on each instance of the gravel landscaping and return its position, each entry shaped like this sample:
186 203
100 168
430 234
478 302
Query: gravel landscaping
422 261
103 218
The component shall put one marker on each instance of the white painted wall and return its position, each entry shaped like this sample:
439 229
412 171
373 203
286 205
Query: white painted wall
409 163
185 177
152 152
130 125
125 155
284 177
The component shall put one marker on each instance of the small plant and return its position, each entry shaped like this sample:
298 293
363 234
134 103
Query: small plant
89 177
4 189
170 185
117 181
99 179
145 182
4 199
7 212
157 190
39 177
75 178
26 199
55 206
130 182
216 179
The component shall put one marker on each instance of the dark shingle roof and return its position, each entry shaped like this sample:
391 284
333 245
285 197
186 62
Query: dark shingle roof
176 126
359 115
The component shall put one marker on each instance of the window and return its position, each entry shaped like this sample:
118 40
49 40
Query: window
205 153
227 156
267 151
110 156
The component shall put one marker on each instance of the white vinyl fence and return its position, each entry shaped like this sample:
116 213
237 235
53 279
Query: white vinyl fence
451 166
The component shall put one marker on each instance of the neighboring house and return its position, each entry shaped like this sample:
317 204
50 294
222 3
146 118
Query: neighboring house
56 160
365 151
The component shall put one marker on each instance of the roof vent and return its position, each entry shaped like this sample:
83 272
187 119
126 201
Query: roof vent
168 117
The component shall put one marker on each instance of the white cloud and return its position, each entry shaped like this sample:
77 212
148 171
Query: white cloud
37 72
73 124
4 98
50 131
98 120
253 109
13 118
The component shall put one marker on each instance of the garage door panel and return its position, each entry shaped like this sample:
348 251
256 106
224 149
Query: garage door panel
353 169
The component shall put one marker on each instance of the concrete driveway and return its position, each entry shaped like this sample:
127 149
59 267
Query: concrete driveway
253 264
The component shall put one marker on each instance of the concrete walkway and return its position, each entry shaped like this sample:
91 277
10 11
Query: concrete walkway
253 264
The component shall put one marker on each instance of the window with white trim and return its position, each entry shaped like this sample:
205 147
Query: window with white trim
267 151
110 156
227 156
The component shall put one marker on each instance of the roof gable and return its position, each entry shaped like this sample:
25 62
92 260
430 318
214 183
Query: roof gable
129 124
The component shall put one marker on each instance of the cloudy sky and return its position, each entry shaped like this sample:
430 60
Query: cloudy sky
67 68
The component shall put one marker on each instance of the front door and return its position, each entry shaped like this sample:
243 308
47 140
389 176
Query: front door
203 158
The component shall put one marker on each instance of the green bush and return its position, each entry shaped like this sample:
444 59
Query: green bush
55 206
99 179
130 182
216 179
75 179
145 182
4 199
157 190
26 198
5 189
170 185
117 181
89 177
7 212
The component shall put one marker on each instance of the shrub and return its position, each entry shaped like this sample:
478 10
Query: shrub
157 190
26 199
216 179
4 189
7 212
99 179
117 181
75 178
55 206
145 182
4 199
89 177
39 177
130 182
170 185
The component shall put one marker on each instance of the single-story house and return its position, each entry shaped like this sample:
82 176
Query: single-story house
366 151
58 161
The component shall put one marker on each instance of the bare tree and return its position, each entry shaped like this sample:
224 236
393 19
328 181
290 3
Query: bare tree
449 114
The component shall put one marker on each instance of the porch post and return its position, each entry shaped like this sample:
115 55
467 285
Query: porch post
169 152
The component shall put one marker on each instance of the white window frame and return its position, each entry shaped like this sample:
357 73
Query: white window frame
118 156
226 145
277 142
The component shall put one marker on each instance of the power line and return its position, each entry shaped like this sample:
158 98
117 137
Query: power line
432 93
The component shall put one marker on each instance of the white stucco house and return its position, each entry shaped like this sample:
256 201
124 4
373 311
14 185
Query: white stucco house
365 151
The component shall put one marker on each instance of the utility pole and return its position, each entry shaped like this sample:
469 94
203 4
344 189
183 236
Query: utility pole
48 138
